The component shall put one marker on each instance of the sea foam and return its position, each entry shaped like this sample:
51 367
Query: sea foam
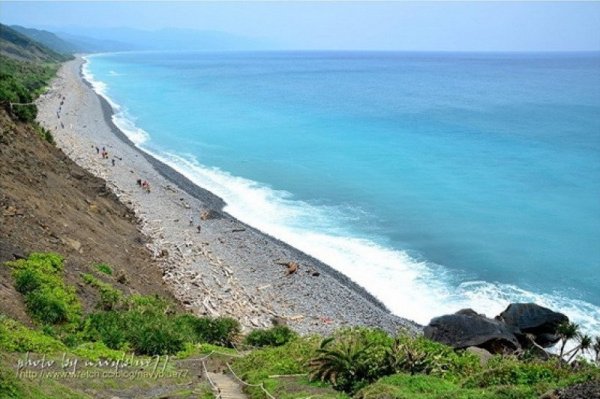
121 118
414 289
411 288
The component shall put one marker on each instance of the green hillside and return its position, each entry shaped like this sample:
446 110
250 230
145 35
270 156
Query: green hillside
48 39
18 46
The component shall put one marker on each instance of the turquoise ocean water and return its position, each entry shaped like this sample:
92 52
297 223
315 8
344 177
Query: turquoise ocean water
438 181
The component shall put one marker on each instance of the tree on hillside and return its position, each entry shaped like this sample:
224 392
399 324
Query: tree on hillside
566 331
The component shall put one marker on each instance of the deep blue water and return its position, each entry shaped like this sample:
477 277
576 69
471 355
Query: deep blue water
438 181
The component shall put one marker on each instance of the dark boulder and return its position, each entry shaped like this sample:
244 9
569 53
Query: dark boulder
468 312
533 319
468 328
585 390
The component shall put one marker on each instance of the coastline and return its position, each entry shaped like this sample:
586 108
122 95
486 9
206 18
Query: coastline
229 268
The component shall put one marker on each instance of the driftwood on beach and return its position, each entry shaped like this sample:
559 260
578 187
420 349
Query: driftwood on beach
215 264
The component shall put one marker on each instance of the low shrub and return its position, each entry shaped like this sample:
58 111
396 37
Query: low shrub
275 336
104 268
156 337
110 297
419 355
109 327
420 386
146 325
511 371
97 350
352 358
291 358
218 331
15 337
21 82
48 299
44 133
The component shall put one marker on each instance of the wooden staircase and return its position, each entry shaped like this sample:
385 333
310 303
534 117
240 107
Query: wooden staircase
226 386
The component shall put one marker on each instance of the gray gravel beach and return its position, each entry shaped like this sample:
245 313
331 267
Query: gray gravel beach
227 268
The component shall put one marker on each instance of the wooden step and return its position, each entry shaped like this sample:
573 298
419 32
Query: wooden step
227 386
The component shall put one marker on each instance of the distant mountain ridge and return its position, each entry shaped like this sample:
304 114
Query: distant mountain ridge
48 39
21 47
46 44
123 39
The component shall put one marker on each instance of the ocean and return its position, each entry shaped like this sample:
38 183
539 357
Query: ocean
438 181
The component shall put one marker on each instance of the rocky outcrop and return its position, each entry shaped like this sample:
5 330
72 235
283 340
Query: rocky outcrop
533 319
586 390
465 329
512 330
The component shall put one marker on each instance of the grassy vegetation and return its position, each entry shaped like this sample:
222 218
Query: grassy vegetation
110 297
104 268
146 325
22 82
368 363
274 336
356 362
48 299
15 337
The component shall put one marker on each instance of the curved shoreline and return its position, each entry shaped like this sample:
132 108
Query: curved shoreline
217 203
333 298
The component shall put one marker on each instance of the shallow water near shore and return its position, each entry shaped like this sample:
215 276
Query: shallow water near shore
436 181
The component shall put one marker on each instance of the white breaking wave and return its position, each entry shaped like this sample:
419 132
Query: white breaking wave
413 289
120 116
410 288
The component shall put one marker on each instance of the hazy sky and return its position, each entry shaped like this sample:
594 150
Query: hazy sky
450 26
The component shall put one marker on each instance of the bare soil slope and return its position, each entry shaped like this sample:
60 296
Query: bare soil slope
48 203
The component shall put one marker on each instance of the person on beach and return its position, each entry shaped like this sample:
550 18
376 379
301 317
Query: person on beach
139 182
199 229
113 162
97 150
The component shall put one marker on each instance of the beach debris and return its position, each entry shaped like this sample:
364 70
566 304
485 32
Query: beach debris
209 214
237 230
278 321
12 211
208 306
292 267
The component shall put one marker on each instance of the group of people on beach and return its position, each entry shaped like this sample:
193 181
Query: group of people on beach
62 101
144 185
104 154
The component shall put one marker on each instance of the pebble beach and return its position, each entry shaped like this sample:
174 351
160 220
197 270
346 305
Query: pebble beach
213 263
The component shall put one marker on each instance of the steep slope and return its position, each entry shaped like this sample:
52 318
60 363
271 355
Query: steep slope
48 203
48 39
18 46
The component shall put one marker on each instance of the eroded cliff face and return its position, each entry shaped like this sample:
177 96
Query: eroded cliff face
48 203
